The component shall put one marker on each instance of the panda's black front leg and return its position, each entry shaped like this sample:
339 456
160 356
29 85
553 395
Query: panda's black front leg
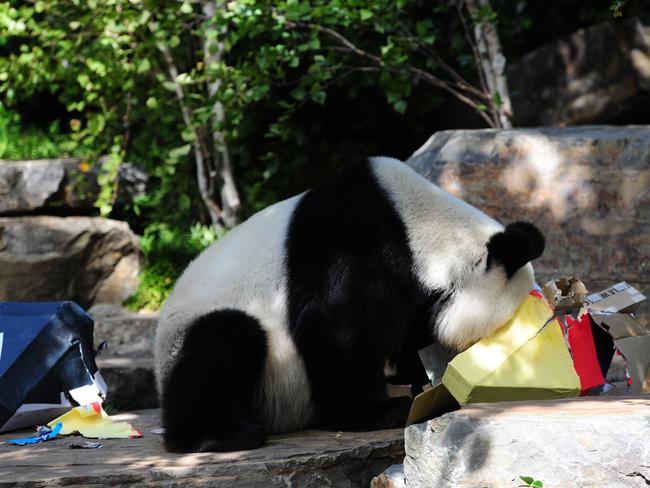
346 373
352 396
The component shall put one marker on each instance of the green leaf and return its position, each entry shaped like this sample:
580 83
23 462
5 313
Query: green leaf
151 102
422 27
527 479
298 93
180 151
319 97
184 79
144 66
496 97
617 8
537 484
481 107
188 135
400 106
429 39
365 14
186 8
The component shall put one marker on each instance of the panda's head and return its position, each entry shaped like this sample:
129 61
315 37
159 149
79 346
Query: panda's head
489 290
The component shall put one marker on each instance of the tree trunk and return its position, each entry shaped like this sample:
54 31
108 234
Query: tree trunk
200 152
492 62
230 202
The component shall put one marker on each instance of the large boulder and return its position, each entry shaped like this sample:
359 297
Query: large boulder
60 186
587 188
595 75
569 443
85 259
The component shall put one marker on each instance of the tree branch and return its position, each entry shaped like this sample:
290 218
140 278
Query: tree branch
419 73
213 53
491 61
213 209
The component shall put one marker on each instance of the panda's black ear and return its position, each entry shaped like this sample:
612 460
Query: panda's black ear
518 244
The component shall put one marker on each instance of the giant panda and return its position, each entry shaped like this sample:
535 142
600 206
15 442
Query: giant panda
290 320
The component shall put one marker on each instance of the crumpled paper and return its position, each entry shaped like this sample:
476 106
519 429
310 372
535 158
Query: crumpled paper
92 421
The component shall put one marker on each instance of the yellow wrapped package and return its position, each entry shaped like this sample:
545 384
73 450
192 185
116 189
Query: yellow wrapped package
523 360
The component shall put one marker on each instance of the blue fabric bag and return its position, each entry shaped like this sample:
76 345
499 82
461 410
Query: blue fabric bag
47 362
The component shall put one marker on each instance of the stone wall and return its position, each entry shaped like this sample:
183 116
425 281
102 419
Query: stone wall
50 249
60 186
587 188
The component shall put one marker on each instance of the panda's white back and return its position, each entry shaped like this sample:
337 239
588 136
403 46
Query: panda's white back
436 223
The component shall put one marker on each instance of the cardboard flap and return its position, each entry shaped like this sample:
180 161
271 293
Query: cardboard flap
432 403
620 297
619 324
434 358
636 351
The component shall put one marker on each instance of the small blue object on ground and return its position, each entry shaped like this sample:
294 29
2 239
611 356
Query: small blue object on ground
43 433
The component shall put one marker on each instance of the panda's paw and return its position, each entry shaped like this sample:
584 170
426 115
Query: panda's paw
242 438
248 436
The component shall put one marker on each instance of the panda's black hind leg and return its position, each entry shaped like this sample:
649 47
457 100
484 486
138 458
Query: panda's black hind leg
209 394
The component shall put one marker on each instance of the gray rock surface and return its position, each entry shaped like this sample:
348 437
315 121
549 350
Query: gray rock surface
596 74
298 460
128 334
131 383
127 363
85 259
60 186
581 442
587 188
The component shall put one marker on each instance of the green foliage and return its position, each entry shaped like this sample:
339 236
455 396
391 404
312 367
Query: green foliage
306 86
617 7
18 142
167 251
103 62
298 50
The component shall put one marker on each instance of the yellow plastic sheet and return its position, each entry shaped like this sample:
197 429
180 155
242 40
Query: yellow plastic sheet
523 360
92 421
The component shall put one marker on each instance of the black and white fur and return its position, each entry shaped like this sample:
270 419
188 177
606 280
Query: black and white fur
289 320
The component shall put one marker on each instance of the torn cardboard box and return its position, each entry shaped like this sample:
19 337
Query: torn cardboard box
603 325
525 359
47 362
559 343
